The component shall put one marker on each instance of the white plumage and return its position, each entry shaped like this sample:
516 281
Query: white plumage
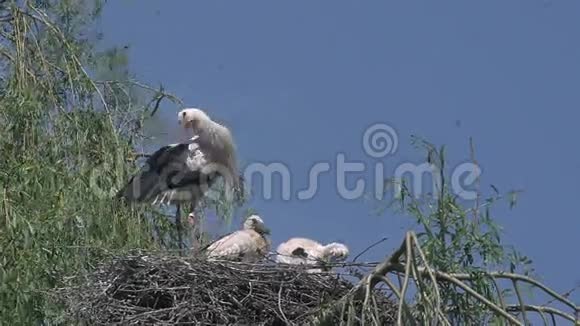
248 245
303 251
215 141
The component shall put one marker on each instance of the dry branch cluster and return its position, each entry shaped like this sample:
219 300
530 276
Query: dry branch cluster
155 289
409 265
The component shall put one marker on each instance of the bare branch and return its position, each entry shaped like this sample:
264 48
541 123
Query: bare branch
521 301
549 310
369 248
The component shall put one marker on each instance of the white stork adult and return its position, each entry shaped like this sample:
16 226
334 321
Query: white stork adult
250 244
303 251
184 172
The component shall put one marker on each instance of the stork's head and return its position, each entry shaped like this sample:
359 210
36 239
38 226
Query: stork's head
192 118
336 251
254 222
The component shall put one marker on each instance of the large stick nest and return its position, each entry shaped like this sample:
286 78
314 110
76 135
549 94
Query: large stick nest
156 289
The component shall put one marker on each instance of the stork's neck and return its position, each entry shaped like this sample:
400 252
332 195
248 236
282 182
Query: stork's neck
328 249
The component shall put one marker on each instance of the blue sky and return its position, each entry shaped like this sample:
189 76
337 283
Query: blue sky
299 81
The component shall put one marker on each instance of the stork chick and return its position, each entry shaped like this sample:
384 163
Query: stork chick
247 245
303 251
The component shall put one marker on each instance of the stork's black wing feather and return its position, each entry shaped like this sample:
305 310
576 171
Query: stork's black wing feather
156 174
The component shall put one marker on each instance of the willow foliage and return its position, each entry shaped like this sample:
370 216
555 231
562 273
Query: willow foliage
66 143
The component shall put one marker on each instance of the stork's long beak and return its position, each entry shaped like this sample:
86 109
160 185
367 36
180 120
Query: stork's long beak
186 133
265 230
192 139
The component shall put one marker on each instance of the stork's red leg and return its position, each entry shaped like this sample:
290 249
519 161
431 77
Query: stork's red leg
195 238
179 226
